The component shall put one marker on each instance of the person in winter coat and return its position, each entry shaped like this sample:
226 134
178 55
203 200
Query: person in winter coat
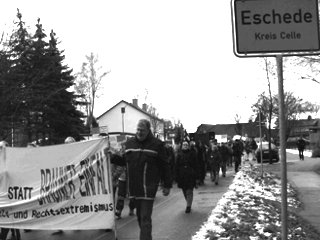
201 150
253 147
247 149
171 158
186 171
214 161
225 155
194 153
147 164
301 144
237 149
230 160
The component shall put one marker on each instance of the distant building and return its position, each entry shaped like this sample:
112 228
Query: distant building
250 129
308 129
120 121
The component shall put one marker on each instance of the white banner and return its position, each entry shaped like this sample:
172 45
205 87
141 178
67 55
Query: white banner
65 187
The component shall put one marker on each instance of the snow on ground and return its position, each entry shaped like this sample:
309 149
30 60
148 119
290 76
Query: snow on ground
249 209
306 153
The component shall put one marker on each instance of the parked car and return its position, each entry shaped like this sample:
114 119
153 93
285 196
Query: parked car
265 152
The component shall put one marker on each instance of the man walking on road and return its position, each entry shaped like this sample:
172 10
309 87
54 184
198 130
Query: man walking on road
301 144
237 149
147 164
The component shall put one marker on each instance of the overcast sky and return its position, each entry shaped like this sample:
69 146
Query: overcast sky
176 55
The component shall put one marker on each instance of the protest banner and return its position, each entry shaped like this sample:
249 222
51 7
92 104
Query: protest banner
65 187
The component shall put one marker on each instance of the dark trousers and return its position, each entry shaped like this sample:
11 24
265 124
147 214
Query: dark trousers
237 163
202 171
122 193
120 204
144 212
5 231
230 160
301 154
224 167
188 196
214 171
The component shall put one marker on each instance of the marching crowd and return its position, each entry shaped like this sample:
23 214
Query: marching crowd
189 164
144 163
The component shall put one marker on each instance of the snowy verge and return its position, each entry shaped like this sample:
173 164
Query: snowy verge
250 209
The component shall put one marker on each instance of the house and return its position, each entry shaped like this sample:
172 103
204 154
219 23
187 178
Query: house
120 121
250 129
308 129
315 138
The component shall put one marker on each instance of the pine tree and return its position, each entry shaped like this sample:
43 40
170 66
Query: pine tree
35 86
16 77
60 113
54 115
5 121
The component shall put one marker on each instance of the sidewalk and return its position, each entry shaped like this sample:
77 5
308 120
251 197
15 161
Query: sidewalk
303 177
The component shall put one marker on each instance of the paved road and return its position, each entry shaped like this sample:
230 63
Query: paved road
169 219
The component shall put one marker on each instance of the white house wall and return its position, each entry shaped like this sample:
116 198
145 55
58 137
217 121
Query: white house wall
113 119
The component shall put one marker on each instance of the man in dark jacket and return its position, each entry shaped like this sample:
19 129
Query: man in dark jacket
147 164
237 150
201 150
301 144
225 155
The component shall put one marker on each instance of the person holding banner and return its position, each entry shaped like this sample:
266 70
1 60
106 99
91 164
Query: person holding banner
147 164
119 182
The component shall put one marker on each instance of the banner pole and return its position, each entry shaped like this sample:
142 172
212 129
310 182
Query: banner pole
115 231
114 192
4 154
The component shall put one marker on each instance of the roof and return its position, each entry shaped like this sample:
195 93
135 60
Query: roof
133 106
251 129
305 122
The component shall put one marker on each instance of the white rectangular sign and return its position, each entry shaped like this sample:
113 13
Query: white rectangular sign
270 27
222 138
65 187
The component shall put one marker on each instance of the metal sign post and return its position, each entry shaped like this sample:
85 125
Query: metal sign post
283 155
261 155
276 28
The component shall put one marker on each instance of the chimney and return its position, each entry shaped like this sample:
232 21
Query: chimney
145 107
135 102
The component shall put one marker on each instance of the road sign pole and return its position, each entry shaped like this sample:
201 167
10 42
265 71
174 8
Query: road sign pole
282 133
261 155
